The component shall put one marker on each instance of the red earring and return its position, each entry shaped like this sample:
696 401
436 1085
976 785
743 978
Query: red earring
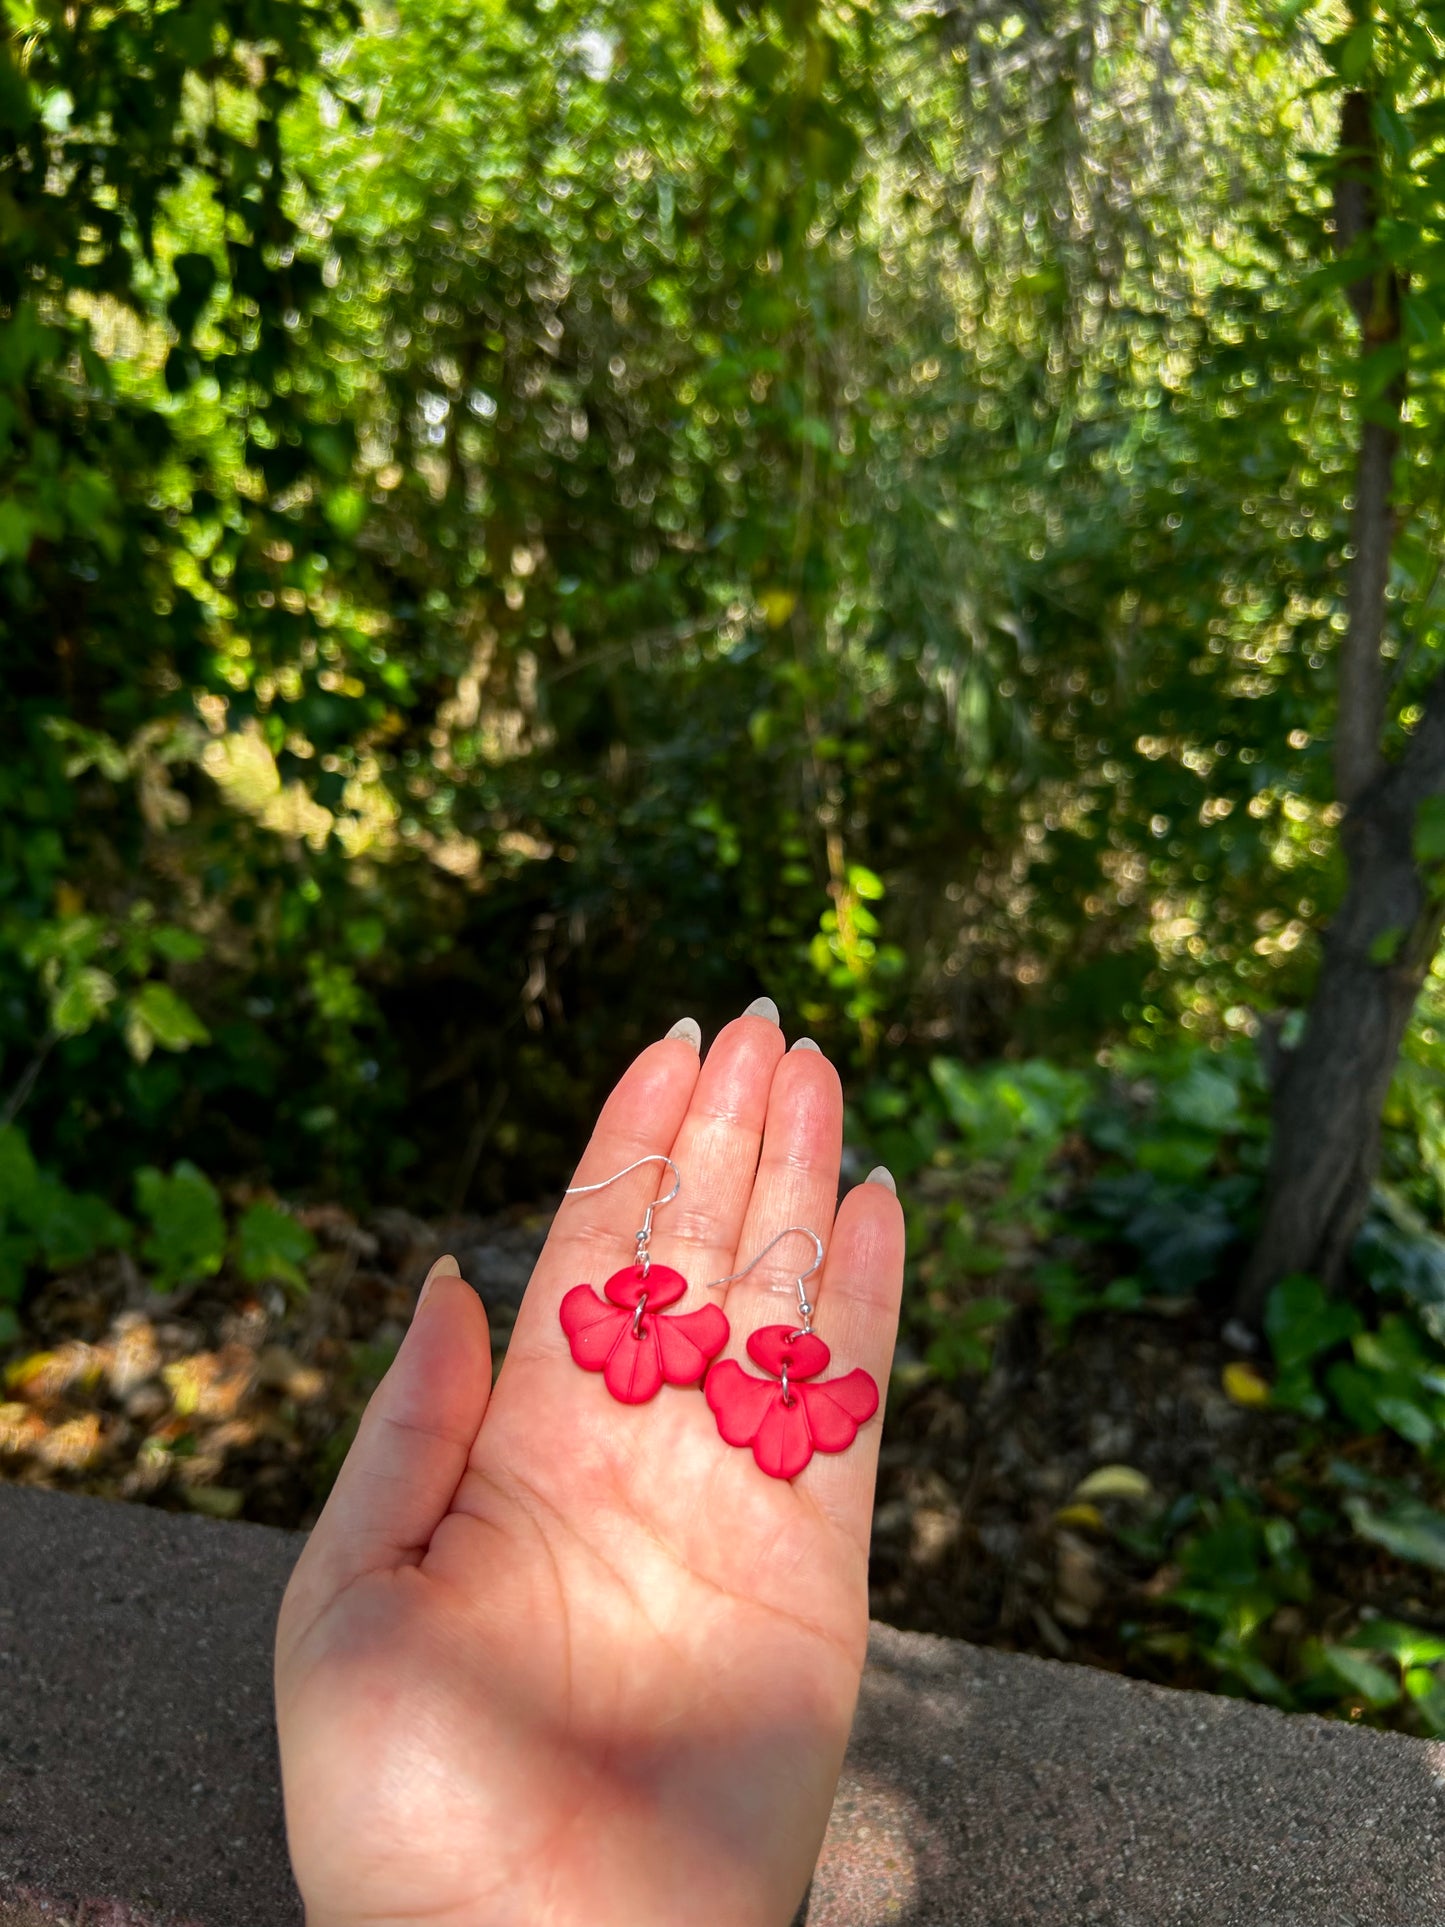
782 1417
626 1333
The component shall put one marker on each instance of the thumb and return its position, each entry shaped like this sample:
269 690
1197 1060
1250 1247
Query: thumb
410 1451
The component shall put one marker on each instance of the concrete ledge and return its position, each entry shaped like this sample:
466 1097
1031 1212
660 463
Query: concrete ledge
138 1781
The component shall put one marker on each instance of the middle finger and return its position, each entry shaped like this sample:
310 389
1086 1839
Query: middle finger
716 1154
796 1184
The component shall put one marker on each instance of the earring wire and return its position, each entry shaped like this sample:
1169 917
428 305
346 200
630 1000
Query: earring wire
805 1309
644 1236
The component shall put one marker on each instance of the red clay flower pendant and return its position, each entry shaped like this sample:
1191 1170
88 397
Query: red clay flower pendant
630 1338
783 1420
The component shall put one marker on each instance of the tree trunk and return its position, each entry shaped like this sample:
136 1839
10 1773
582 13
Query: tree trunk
1332 1087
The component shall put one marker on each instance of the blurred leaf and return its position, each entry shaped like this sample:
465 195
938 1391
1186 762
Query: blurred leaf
1410 1645
157 1011
1302 1321
18 1172
1243 1385
1372 1683
1076 1514
187 1239
777 606
1429 843
215 1501
1115 1482
83 997
272 1245
1408 1528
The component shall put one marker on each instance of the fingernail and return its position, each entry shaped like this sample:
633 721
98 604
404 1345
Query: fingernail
445 1267
689 1030
763 1007
880 1174
806 1043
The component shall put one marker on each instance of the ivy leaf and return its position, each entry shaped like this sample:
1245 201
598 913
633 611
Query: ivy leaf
167 1018
1301 1321
70 1226
188 1232
270 1244
82 998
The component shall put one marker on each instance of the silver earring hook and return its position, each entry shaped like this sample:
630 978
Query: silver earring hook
643 1259
805 1309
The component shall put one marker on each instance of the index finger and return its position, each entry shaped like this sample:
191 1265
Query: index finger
592 1236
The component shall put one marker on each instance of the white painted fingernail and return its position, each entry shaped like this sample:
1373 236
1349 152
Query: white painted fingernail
764 1007
445 1267
880 1174
689 1030
806 1043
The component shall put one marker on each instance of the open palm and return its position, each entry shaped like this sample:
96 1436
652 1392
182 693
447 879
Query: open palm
548 1658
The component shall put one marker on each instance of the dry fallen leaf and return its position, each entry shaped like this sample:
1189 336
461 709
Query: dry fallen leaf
1243 1385
215 1501
45 1375
21 1428
1080 1584
211 1384
1085 1515
1114 1482
73 1445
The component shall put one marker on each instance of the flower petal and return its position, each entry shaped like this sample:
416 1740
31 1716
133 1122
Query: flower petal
837 1408
687 1340
783 1443
592 1326
633 1372
738 1400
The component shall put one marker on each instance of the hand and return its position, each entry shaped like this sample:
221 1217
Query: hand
548 1659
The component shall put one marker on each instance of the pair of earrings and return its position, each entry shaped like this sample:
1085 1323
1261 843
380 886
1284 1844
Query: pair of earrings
628 1334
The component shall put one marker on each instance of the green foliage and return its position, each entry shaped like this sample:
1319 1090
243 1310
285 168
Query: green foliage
1031 1189
1183 1132
1239 1566
653 524
1066 1295
43 1222
1302 1324
964 1341
1243 1558
271 1245
45 1226
1083 1190
1386 1375
187 1237
477 566
1246 1572
1408 1528
1016 1113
